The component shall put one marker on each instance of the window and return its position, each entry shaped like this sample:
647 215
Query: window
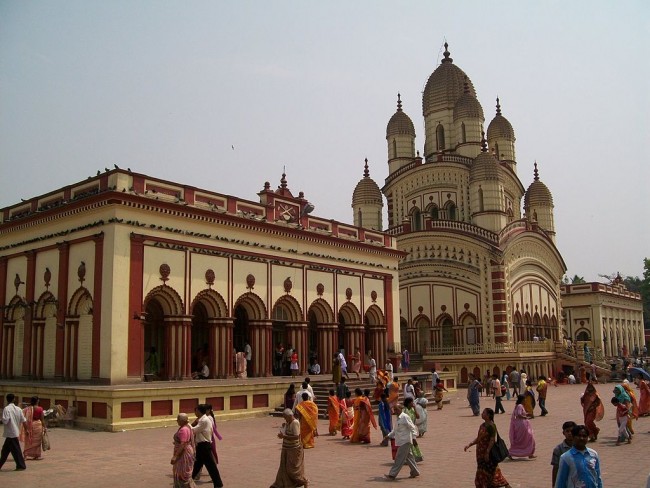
416 219
440 137
394 148
434 212
463 132
451 211
481 207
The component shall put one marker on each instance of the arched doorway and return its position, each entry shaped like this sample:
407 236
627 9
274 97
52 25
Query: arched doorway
79 336
423 326
200 336
154 340
447 326
403 332
322 330
240 331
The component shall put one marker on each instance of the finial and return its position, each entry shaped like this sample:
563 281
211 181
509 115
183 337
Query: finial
447 59
283 180
483 142
366 172
536 173
399 103
498 106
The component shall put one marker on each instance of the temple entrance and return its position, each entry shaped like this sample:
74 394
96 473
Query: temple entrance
154 341
200 336
240 331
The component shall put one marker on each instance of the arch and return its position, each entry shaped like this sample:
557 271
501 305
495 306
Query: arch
446 323
252 305
214 304
496 150
168 298
394 148
15 310
467 318
527 319
81 302
45 306
416 218
517 320
423 325
433 211
464 375
443 317
322 311
440 137
374 316
451 210
463 132
583 335
287 308
349 314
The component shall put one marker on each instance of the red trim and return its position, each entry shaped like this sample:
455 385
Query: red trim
62 291
97 304
135 346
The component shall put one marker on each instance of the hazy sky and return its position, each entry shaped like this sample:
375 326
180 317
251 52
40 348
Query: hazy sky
168 87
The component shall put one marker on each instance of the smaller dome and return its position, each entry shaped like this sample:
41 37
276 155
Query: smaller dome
367 191
400 123
485 166
537 193
468 106
500 127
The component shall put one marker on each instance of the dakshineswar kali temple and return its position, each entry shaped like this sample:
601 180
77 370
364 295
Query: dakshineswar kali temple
466 276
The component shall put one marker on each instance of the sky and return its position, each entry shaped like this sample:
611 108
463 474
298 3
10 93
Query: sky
169 88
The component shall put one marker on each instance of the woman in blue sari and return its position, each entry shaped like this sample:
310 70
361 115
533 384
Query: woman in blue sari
474 395
385 419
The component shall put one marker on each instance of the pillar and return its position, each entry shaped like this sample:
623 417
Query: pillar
327 346
260 337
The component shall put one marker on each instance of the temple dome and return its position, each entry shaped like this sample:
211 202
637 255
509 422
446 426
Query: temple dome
367 191
537 193
467 105
445 86
485 166
400 123
500 127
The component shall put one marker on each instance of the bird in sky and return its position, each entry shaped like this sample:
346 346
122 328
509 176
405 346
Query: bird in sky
233 147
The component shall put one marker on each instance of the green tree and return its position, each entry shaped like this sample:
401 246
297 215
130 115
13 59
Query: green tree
577 280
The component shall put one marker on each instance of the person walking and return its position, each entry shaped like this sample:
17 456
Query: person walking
33 430
514 381
580 465
13 419
291 472
488 473
249 358
593 410
404 432
498 394
522 439
183 456
202 430
473 395
389 370
355 362
542 388
372 368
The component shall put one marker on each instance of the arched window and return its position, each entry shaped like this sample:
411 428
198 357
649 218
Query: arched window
394 148
496 150
463 132
360 224
440 137
481 207
434 212
451 210
416 219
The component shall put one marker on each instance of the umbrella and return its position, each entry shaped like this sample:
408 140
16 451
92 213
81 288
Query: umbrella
639 371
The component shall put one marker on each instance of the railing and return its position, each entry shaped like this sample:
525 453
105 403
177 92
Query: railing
488 348
453 225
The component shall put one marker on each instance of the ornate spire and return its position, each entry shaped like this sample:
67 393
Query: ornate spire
399 103
366 172
498 106
483 142
447 59
283 180
536 173
466 85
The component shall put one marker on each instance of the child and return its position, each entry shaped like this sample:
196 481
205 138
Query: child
622 412
563 447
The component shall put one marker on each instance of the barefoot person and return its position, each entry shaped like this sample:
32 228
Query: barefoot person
404 432
487 472
291 472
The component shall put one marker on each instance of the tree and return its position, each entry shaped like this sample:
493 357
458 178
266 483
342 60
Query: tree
577 280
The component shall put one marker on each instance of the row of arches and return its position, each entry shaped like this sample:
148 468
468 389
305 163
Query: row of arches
449 211
423 336
527 326
214 333
38 342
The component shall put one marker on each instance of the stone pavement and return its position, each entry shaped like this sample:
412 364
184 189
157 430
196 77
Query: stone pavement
250 451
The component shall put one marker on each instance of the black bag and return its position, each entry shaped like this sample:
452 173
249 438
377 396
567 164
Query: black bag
499 451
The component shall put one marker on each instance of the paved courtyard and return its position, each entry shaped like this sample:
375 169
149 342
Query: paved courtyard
250 451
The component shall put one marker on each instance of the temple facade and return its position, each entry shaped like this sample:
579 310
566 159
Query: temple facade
125 276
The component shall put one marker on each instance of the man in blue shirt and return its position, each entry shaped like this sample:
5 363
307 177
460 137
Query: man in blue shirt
580 465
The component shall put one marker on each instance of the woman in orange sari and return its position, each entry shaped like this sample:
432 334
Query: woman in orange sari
333 408
308 414
363 417
32 430
634 408
644 397
593 410
393 393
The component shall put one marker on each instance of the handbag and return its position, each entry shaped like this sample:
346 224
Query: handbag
499 451
45 441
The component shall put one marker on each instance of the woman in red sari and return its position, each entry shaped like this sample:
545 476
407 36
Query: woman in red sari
363 417
644 397
488 474
347 415
183 457
393 393
32 430
593 410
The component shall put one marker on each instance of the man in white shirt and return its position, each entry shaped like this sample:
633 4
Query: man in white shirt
12 418
372 370
203 428
404 432
304 388
409 390
389 370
